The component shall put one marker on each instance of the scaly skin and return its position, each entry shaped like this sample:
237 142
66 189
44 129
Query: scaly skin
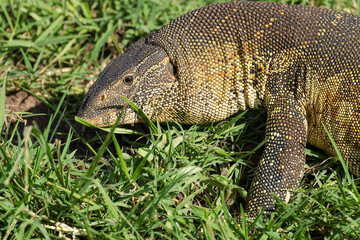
300 63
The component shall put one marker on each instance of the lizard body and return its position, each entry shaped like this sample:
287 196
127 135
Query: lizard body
300 63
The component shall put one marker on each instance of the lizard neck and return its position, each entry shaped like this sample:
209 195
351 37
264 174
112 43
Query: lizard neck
216 76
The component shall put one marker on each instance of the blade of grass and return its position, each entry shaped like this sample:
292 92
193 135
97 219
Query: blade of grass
101 42
15 43
344 165
7 15
103 148
117 45
121 158
57 110
45 147
153 128
38 59
220 131
14 168
66 48
27 62
113 209
73 194
56 24
139 168
2 104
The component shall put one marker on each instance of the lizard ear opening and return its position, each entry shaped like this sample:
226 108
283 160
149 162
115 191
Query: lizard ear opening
172 69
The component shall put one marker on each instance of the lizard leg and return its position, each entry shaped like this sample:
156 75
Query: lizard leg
282 163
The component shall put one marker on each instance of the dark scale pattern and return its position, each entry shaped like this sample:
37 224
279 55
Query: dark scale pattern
300 63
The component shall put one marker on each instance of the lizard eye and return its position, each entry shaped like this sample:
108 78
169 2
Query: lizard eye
128 80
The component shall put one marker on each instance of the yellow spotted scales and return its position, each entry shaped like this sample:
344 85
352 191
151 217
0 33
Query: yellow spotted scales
300 63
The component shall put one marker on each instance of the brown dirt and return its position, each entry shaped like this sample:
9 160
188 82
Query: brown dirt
21 106
28 110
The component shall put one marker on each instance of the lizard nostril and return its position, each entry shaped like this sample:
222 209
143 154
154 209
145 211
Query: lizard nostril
102 97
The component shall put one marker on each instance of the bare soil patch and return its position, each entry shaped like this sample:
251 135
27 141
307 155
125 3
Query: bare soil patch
22 106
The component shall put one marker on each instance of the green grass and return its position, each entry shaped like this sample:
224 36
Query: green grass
169 181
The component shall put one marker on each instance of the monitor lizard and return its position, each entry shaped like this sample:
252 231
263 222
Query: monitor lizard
299 63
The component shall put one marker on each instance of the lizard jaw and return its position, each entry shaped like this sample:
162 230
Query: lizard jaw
111 116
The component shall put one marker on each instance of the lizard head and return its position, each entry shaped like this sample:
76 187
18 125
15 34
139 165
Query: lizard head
145 75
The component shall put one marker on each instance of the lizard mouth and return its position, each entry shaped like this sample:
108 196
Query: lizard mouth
109 116
110 108
101 117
